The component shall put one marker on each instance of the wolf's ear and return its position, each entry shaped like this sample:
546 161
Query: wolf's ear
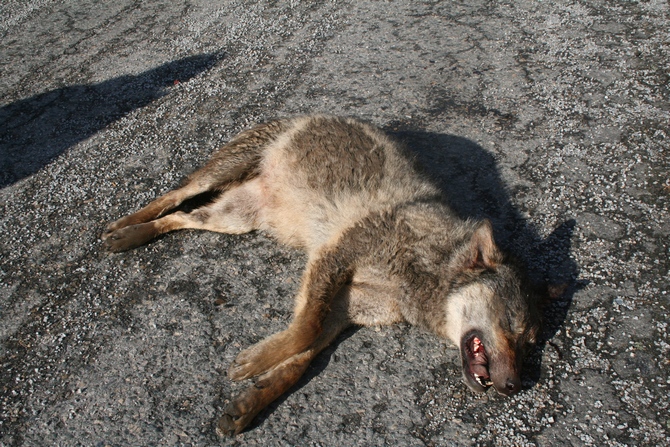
483 251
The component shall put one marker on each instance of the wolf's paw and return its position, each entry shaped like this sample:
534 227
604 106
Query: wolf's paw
262 356
114 226
240 412
234 420
266 388
128 237
247 364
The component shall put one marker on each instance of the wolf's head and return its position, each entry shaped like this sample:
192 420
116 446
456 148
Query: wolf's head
490 315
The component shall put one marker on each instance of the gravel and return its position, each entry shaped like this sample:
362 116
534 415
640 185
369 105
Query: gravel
550 118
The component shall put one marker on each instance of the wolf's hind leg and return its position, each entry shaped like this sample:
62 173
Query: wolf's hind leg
235 212
236 161
158 207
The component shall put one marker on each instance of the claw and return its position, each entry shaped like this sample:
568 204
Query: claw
229 424
238 372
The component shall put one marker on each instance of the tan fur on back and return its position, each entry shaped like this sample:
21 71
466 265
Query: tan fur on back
304 207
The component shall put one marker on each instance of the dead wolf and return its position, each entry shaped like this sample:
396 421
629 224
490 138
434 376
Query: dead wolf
382 247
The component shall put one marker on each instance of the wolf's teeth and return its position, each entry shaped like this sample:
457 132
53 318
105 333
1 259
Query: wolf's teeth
482 381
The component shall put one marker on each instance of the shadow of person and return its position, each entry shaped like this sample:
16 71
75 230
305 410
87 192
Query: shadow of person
36 130
470 180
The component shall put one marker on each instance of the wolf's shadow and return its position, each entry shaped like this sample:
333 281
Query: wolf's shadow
36 130
470 180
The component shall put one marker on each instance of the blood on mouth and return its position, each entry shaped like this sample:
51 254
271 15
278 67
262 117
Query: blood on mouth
480 363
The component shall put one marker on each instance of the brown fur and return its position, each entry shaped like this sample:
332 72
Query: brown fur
382 247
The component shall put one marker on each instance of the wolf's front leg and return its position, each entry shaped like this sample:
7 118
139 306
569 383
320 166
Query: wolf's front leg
275 382
322 280
266 388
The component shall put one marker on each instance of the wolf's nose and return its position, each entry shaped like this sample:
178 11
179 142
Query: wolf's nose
509 386
513 386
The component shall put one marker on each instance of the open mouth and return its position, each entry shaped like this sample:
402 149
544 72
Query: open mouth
475 361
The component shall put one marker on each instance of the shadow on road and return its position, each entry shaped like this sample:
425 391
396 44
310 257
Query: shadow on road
36 130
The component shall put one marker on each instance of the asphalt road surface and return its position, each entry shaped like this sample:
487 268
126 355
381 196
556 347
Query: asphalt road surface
550 118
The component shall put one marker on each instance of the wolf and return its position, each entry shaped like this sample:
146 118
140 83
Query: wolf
382 247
